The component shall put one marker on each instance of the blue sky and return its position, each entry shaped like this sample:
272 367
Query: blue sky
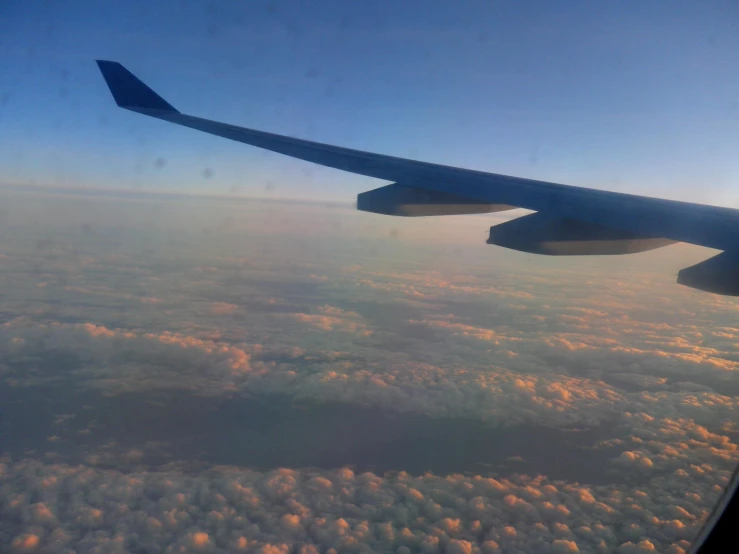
631 96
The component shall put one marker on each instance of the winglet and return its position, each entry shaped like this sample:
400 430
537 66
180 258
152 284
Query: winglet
128 91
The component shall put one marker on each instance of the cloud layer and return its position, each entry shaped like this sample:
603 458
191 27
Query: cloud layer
181 304
57 507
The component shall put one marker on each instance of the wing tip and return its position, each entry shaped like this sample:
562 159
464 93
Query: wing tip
128 90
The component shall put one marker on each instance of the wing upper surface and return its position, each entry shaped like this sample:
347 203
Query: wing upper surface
710 226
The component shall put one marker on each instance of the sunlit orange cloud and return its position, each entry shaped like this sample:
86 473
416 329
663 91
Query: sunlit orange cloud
223 308
330 318
460 514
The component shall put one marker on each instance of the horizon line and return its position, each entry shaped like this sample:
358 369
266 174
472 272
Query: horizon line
164 194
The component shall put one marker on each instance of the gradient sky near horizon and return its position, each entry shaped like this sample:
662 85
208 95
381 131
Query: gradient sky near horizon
632 96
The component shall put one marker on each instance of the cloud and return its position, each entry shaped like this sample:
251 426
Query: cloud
151 304
121 360
83 508
224 308
330 318
118 360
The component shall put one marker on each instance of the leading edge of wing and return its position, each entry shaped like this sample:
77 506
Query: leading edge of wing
710 226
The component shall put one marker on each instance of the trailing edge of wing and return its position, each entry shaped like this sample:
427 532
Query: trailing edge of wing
710 226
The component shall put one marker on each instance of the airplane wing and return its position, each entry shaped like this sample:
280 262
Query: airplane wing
568 220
